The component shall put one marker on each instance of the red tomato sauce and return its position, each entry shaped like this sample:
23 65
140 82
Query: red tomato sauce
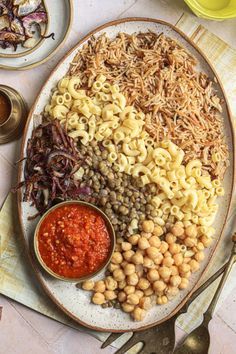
73 241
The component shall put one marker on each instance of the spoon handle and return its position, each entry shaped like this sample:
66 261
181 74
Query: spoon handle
203 287
209 312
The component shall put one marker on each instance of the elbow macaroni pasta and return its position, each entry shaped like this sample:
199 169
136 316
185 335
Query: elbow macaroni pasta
184 192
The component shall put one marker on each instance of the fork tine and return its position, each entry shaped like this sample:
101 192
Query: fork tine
130 343
112 337
144 350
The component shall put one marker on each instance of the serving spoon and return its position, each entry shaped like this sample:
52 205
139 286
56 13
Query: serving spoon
161 338
198 341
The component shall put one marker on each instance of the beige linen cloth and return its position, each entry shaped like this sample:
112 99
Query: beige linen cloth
18 282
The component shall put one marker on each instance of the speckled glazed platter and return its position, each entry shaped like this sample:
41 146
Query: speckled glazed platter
28 58
75 302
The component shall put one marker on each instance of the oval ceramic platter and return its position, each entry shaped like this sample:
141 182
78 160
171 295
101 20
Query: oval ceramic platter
75 302
24 58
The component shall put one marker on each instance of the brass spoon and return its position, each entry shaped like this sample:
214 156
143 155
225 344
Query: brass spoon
198 341
161 338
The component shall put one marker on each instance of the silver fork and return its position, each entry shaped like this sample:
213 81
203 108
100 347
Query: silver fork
161 338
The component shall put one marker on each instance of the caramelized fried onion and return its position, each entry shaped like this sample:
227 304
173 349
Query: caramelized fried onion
51 161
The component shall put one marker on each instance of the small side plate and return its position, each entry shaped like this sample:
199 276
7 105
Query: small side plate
22 51
46 48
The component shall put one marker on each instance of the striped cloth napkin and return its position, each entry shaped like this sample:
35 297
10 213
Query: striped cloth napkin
16 279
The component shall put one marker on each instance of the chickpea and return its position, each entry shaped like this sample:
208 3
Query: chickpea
128 255
168 261
174 248
171 291
99 286
148 226
153 275
206 241
110 295
148 292
164 247
139 314
134 239
113 267
139 293
129 289
132 299
121 296
158 231
179 223
119 275
184 268
121 284
159 286
191 230
188 274
199 256
127 307
126 246
190 242
145 303
152 252
177 230
110 283
142 252
164 272
139 270
143 243
158 259
123 264
170 238
175 280
182 237
194 265
137 258
132 279
200 246
148 263
129 269
143 283
117 258
187 260
184 283
88 285
174 270
155 241
98 299
186 223
162 300
167 254
146 235
178 259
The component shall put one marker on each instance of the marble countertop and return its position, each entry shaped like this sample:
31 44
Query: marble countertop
23 331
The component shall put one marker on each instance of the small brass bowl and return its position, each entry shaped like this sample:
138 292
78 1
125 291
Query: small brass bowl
110 230
13 126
